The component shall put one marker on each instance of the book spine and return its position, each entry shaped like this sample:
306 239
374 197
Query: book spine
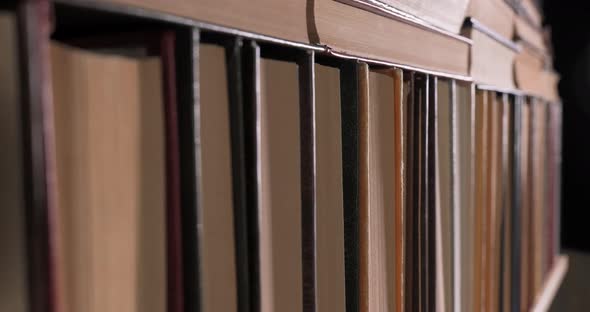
188 108
349 88
307 137
252 120
34 29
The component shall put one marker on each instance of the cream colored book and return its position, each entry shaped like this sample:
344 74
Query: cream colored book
377 152
13 274
330 218
492 61
280 204
217 247
109 131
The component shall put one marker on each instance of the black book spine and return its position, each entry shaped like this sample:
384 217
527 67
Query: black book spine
349 93
251 91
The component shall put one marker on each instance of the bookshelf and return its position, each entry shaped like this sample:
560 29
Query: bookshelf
346 156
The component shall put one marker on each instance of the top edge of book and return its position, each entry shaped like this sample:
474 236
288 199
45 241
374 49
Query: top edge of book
418 15
477 25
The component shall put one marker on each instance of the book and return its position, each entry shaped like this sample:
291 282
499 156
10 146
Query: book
538 236
532 12
377 191
411 291
349 31
263 17
529 33
533 57
507 205
280 177
14 294
517 204
431 239
525 169
216 236
464 177
330 216
495 15
350 95
446 15
422 224
111 177
400 181
481 194
535 79
495 198
444 196
491 58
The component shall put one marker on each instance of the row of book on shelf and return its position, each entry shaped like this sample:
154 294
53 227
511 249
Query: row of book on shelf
183 169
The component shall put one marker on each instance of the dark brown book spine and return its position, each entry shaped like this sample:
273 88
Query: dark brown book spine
431 109
173 213
238 134
34 29
411 208
363 113
400 116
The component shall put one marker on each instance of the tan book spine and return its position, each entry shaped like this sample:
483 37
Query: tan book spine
539 234
280 206
378 207
507 195
491 204
496 223
216 205
481 129
525 217
111 177
330 232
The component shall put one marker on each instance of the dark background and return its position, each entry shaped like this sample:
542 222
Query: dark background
570 26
